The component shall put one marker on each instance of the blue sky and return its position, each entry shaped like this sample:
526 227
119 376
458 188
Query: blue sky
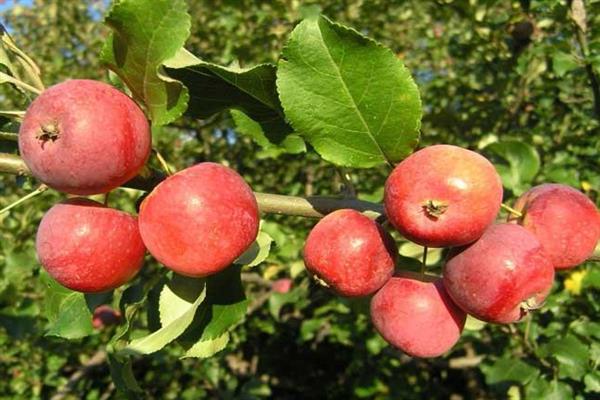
9 3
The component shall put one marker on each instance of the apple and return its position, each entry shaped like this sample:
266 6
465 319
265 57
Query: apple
443 196
283 285
88 247
500 277
417 316
199 220
84 137
105 316
351 253
564 220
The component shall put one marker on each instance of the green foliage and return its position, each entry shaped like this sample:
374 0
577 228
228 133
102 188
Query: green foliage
145 36
351 98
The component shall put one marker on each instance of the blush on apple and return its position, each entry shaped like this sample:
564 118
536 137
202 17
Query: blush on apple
84 137
418 317
563 219
88 247
351 253
443 196
501 276
198 221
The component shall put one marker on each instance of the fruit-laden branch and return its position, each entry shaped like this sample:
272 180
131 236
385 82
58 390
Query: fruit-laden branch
312 207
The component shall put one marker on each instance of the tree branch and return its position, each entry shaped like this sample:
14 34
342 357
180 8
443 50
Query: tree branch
311 207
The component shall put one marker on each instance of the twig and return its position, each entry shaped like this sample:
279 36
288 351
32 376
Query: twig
97 360
512 210
41 189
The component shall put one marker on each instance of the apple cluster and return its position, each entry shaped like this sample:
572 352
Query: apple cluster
445 196
84 137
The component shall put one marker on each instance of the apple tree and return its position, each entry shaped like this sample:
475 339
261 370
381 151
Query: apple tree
338 201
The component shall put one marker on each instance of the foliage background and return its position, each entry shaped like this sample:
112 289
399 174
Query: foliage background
488 71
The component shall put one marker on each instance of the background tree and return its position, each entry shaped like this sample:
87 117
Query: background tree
517 81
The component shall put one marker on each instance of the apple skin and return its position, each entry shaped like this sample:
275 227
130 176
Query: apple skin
351 253
102 137
565 221
88 247
501 276
443 196
417 317
199 220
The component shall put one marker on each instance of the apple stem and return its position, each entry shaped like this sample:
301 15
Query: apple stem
163 162
512 210
106 195
424 261
42 188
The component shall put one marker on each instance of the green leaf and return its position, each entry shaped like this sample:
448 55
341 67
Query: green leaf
520 163
225 306
572 356
122 375
179 300
592 382
214 88
144 36
278 300
507 370
350 97
208 348
591 278
258 251
66 310
245 125
541 389
563 63
413 250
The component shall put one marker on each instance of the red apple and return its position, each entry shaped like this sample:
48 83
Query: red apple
351 253
88 247
282 285
84 137
417 317
198 221
501 276
564 220
443 196
105 316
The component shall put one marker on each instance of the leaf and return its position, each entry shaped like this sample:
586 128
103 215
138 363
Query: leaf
224 307
174 326
571 354
214 88
592 382
144 36
177 296
122 375
258 251
521 163
207 348
66 310
350 97
245 125
563 63
413 250
508 370
541 389
278 300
